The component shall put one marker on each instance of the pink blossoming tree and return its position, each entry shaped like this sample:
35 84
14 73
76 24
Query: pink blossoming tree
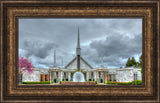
25 65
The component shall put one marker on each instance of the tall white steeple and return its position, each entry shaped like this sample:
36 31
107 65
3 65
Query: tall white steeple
54 57
62 63
78 52
102 60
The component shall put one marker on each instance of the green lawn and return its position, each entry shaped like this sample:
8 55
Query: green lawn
41 82
139 82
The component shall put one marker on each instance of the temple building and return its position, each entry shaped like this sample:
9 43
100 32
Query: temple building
100 74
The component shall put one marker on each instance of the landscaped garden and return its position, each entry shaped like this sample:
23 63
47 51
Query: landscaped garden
135 82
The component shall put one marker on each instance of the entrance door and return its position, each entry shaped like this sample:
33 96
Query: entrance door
46 78
41 77
106 77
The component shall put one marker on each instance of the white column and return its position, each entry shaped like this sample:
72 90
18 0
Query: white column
104 77
112 77
62 75
108 76
95 76
101 76
53 76
97 79
91 76
50 77
87 75
69 76
57 76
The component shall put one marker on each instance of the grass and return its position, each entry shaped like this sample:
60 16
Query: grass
41 82
139 82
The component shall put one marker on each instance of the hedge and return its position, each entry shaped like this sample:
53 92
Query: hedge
55 80
139 82
41 82
101 80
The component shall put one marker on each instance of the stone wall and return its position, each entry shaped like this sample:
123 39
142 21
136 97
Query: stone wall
35 76
125 75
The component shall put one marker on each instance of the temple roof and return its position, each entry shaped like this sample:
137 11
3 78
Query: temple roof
81 59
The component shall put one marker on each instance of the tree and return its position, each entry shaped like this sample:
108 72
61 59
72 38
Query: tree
25 65
131 62
140 61
127 64
134 63
141 70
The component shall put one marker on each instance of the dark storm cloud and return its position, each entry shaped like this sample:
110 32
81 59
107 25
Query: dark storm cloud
114 49
121 46
38 48
117 39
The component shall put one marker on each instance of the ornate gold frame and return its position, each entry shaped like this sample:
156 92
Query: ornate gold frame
12 10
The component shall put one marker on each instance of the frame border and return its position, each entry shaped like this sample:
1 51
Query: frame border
10 12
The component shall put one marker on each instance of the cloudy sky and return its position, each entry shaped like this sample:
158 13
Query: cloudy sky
116 39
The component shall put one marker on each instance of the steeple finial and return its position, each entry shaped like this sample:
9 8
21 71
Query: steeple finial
102 60
54 57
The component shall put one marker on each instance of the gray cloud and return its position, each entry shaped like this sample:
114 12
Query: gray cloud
115 48
117 39
38 48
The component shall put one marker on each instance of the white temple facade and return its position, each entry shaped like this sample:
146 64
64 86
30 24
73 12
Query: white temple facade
100 74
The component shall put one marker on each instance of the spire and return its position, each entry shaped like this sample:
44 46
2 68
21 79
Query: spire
102 60
78 44
78 51
62 63
78 40
54 57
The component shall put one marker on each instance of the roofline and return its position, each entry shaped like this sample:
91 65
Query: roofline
82 60
70 62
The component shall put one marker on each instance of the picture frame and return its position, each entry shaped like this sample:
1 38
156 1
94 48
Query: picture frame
148 10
